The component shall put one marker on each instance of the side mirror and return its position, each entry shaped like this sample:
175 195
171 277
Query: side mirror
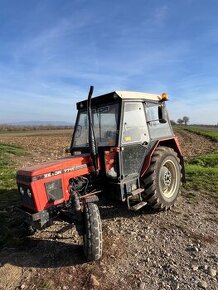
162 114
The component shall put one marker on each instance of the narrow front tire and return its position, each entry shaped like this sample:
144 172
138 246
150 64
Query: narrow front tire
92 236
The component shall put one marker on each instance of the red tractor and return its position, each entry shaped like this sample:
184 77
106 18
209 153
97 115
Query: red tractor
123 146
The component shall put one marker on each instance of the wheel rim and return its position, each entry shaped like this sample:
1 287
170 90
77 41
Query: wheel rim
168 179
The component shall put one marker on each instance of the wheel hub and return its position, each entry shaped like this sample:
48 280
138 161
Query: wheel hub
167 178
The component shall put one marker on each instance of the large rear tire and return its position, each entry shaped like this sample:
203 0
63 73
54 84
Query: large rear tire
162 181
92 237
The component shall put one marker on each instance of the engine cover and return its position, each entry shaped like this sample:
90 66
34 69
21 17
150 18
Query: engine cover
46 185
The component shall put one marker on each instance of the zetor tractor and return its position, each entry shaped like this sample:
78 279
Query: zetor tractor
123 146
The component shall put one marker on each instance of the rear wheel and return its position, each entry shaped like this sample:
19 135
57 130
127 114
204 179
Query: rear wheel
92 237
163 179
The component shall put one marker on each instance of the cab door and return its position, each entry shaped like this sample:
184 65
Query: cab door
134 138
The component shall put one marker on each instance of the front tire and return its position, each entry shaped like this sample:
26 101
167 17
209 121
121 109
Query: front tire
28 229
162 181
92 237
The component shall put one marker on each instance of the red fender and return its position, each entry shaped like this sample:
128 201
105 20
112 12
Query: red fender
171 143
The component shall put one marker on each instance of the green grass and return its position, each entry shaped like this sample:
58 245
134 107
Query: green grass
206 132
7 166
8 193
202 174
208 161
202 171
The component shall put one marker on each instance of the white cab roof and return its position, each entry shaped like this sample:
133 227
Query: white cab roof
137 95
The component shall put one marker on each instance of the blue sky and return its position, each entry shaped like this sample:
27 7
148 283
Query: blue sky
51 51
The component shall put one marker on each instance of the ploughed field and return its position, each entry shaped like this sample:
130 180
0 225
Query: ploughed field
51 144
177 249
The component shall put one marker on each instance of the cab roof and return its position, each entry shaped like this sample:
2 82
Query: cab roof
137 95
122 95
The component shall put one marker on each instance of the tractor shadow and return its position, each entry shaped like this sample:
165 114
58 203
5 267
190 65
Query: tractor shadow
40 252
116 209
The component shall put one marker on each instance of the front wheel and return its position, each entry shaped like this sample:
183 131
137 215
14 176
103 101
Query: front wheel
92 236
163 179
28 229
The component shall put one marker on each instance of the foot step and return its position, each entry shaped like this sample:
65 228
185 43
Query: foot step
131 198
138 206
137 191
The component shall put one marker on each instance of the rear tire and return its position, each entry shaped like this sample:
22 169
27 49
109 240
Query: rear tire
163 179
92 237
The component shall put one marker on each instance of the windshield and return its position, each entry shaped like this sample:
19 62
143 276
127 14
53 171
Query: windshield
105 126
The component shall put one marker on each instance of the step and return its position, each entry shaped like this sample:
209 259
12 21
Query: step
136 192
138 206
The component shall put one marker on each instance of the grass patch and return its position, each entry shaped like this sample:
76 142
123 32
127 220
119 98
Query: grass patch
8 193
208 161
206 132
7 167
202 174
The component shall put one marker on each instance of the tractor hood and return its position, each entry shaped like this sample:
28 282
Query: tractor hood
71 164
46 185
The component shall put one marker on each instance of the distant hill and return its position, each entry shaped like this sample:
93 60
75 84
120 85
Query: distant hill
38 123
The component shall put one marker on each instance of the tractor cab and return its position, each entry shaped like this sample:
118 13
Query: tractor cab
123 146
126 126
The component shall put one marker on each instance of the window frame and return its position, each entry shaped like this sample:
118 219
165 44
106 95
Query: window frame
86 148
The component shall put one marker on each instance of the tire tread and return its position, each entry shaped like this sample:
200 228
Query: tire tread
151 193
93 232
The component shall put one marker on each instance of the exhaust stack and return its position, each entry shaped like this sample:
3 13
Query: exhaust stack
91 134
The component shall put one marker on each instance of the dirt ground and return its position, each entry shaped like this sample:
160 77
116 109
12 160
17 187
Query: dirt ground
149 250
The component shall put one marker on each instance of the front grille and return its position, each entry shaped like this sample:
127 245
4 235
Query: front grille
54 190
25 198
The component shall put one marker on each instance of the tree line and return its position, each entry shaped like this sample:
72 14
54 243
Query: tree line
184 120
181 121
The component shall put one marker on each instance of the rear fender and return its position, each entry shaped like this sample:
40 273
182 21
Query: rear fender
171 143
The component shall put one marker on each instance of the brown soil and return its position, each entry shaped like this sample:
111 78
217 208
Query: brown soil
144 250
44 147
193 145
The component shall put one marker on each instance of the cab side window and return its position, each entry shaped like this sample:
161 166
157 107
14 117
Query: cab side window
134 123
158 124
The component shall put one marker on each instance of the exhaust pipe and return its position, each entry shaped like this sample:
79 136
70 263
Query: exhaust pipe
91 134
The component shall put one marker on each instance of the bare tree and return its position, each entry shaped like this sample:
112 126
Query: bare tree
185 120
180 121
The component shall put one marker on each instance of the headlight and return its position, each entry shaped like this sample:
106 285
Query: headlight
22 191
29 193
